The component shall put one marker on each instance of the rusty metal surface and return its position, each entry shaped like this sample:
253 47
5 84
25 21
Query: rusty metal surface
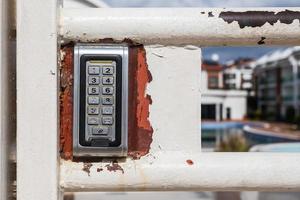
66 102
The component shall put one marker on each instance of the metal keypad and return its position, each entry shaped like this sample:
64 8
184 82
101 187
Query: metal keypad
100 90
100 100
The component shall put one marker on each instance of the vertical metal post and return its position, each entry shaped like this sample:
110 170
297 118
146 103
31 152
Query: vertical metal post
7 94
3 134
37 138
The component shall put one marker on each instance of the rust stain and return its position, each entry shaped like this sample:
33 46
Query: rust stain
261 41
114 166
259 18
189 162
87 167
139 130
66 103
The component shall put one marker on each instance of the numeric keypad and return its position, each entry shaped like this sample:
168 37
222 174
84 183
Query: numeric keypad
100 90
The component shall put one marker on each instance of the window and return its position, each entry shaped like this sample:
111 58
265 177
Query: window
213 82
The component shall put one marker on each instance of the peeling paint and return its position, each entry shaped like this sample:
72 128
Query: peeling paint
189 162
66 103
86 168
114 166
139 130
261 41
99 169
259 18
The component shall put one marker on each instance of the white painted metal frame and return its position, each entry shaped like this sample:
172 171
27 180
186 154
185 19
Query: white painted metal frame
181 26
165 168
3 133
174 117
37 100
7 91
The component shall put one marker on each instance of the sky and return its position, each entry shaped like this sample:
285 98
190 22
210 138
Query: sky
225 54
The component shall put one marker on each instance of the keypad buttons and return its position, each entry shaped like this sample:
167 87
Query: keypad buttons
108 70
107 100
93 90
92 120
100 89
93 110
107 90
107 110
93 100
99 130
107 80
94 80
94 70
107 120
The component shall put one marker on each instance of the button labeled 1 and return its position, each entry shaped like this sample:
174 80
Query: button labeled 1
94 70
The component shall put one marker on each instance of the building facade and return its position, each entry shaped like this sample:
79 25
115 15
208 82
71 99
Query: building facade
238 74
277 78
220 103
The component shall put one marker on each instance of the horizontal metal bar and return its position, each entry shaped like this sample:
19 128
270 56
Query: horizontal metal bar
168 171
181 26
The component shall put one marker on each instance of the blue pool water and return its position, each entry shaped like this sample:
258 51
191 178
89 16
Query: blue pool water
214 132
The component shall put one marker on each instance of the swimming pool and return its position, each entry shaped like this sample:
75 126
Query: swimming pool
214 132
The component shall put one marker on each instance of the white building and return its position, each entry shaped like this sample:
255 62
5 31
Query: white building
238 74
219 103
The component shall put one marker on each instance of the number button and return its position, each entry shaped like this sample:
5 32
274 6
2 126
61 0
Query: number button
107 100
93 110
93 100
94 80
107 70
94 70
93 90
107 120
107 90
107 80
108 110
93 121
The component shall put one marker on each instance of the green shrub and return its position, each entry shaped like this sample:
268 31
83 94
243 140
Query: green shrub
233 143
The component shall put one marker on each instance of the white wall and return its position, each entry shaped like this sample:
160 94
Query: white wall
238 105
235 99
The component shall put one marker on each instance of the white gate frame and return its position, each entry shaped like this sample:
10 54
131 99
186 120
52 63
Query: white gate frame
175 161
37 98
